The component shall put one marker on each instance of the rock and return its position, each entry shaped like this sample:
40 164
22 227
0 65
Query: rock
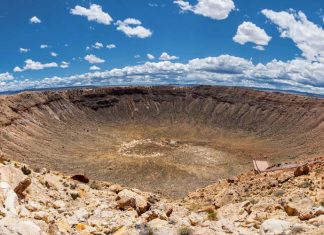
141 204
169 210
21 187
294 208
126 203
115 188
11 175
319 211
306 215
33 206
278 192
81 178
317 221
284 177
80 215
290 210
195 219
10 198
302 170
274 227
41 215
161 227
59 204
80 227
14 226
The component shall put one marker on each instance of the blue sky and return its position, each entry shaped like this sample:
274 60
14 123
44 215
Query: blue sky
258 43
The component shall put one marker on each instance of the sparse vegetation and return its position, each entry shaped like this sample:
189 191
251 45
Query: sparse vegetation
184 231
212 215
25 170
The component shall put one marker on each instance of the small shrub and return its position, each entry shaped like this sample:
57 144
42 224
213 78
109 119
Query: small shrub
212 215
25 170
184 231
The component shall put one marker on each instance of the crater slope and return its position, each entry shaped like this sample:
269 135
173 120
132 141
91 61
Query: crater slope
168 140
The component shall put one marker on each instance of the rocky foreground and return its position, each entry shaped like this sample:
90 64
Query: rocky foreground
45 202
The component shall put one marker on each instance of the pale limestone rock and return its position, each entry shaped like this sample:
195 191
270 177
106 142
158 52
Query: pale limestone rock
59 204
33 206
195 219
14 226
161 227
11 175
10 198
275 227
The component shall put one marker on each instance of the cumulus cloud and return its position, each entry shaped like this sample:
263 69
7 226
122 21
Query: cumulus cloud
133 28
298 74
43 46
54 54
249 32
214 9
94 67
92 59
94 13
24 50
35 65
64 64
307 36
111 46
35 20
150 56
6 76
166 56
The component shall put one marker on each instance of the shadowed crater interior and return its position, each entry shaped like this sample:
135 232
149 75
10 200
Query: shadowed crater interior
170 140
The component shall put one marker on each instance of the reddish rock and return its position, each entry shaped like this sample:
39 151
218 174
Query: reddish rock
81 178
302 170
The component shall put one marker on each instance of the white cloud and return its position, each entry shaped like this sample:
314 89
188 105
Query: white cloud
35 20
215 9
43 46
35 65
54 54
111 46
92 59
64 65
94 13
249 32
6 76
298 74
258 47
17 69
97 45
150 56
153 4
307 36
166 56
94 67
137 56
133 28
24 50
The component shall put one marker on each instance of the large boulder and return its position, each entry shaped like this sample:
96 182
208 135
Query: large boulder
127 197
8 198
14 226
